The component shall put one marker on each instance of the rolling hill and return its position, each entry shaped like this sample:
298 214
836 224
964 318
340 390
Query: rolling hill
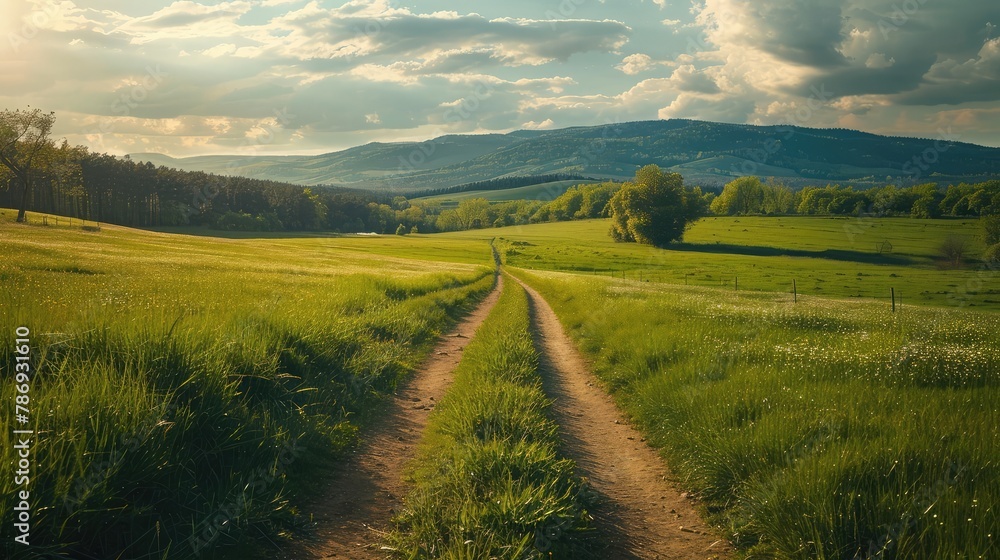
705 153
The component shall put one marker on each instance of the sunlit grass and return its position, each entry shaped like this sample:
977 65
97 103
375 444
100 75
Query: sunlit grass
822 429
188 389
829 257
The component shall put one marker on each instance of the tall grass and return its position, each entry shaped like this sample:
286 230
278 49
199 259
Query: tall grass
823 429
489 482
187 390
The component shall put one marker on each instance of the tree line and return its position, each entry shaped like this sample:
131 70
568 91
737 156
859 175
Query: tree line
104 188
749 195
38 175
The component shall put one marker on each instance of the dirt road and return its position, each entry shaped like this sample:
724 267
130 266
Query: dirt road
640 513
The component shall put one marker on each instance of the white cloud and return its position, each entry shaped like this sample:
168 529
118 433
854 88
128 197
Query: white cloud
694 106
544 125
638 63
635 63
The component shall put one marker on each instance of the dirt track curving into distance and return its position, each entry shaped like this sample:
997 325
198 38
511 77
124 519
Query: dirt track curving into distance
640 514
368 489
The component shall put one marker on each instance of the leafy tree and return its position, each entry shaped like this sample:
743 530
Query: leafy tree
654 209
400 203
778 199
24 145
380 217
740 197
566 205
595 200
401 230
473 213
924 207
992 256
886 200
928 202
991 230
985 201
448 221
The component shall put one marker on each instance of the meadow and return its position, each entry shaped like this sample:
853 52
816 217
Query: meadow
190 385
818 429
187 389
831 257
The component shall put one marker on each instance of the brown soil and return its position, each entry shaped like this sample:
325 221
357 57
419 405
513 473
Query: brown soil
365 492
640 514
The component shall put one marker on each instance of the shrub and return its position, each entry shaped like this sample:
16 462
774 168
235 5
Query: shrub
953 249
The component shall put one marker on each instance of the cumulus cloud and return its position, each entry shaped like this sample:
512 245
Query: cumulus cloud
951 82
691 106
687 78
638 63
869 55
805 32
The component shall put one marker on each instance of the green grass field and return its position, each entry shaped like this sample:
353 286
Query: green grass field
186 388
818 429
190 384
824 256
542 191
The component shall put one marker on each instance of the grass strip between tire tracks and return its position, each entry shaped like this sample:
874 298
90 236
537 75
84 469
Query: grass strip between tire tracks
489 482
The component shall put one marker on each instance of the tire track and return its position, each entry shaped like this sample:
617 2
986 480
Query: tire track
367 489
639 513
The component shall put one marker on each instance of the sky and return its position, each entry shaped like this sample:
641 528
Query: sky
196 77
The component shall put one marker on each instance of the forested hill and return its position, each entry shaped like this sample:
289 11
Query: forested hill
706 153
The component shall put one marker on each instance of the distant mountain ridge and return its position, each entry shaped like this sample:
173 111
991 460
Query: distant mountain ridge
706 153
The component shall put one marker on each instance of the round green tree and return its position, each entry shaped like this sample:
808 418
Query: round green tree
654 208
